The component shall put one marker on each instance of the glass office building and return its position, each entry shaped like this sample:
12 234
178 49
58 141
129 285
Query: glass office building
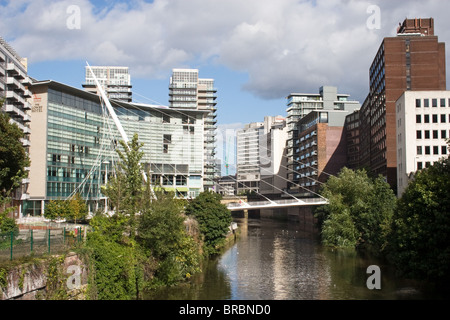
73 146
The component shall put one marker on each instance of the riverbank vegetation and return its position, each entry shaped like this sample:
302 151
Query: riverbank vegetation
146 242
411 232
13 161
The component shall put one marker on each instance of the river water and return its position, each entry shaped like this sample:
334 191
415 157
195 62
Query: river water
280 260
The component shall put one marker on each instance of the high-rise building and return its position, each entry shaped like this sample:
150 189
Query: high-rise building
116 82
413 60
260 152
248 173
14 83
423 126
305 113
188 91
74 142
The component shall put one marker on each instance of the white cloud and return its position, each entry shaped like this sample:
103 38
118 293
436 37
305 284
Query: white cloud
284 45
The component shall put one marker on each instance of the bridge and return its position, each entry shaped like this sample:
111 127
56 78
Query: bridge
273 204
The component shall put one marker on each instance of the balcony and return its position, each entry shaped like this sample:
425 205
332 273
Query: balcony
15 70
11 81
27 94
26 118
25 142
26 81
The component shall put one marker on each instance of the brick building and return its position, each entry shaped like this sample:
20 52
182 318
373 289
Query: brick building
413 60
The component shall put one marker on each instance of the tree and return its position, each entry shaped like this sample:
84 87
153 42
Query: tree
57 209
77 208
127 189
213 217
419 242
161 229
13 157
359 212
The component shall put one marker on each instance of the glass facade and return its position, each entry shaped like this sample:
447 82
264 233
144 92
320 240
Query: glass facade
81 140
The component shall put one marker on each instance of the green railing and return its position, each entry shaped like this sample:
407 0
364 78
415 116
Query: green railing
39 241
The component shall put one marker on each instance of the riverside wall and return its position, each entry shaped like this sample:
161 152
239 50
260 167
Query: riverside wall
29 281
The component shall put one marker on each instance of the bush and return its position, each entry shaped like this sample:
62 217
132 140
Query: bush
359 212
214 220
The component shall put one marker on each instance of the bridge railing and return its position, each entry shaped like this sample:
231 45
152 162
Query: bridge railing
266 202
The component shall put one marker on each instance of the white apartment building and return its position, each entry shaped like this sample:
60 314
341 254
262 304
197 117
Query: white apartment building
116 81
188 91
260 156
14 83
423 125
248 173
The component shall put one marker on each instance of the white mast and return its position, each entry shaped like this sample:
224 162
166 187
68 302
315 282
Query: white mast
115 118
110 108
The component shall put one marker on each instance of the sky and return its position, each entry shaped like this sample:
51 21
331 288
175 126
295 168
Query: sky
258 51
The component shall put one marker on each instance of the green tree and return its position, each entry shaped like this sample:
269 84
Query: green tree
57 209
13 161
77 208
420 238
127 190
359 212
213 217
13 157
162 231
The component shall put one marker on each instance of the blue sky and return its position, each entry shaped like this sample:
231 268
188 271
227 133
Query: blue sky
258 51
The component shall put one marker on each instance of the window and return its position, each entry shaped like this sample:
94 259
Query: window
435 134
427 164
434 103
426 103
435 118
443 134
419 165
427 134
443 118
418 103
427 118
181 181
427 150
418 134
166 118
418 118
166 148
419 150
435 150
167 138
442 103
168 180
444 150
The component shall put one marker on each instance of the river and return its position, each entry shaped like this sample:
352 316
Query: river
280 260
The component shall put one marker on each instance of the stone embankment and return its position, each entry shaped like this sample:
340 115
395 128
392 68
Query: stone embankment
30 281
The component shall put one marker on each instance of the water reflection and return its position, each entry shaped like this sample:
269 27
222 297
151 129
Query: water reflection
275 260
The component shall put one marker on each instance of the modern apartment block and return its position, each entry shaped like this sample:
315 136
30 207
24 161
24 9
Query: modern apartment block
14 92
320 150
273 157
188 91
413 60
116 82
423 126
308 116
74 142
260 155
248 173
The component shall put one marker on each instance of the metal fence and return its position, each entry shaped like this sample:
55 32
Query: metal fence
39 241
